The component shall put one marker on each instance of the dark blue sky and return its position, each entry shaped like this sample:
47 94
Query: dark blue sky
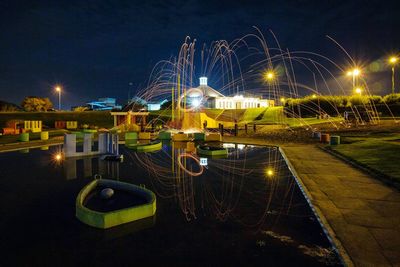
96 48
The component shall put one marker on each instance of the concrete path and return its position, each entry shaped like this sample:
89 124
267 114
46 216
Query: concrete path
360 212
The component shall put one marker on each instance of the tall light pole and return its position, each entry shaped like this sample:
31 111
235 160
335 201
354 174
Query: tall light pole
269 77
354 73
393 61
58 89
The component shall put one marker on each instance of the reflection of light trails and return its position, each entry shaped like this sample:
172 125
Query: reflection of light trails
236 186
186 155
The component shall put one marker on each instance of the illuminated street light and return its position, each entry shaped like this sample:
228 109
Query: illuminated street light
283 100
58 89
269 76
358 90
314 96
393 62
354 73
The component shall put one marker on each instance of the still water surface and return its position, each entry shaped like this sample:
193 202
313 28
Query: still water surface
244 210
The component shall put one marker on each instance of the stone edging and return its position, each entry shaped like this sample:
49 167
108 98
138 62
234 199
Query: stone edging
384 178
330 233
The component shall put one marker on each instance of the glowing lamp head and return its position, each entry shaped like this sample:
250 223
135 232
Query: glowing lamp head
196 103
393 60
58 88
314 96
269 76
356 72
358 91
282 99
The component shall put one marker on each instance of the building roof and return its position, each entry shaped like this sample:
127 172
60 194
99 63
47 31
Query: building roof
206 91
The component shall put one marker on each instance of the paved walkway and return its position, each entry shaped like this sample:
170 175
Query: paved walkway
363 213
360 213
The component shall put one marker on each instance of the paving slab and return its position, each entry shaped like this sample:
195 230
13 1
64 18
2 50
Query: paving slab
362 212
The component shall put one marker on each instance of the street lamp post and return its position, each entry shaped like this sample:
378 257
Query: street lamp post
58 89
393 61
354 73
269 77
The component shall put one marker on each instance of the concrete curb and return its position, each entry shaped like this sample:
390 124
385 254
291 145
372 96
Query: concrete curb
330 233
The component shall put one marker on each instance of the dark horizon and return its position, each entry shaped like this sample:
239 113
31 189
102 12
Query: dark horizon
96 49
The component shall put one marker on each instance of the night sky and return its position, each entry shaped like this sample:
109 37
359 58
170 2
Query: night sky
96 48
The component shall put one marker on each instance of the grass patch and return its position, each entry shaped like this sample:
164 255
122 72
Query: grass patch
379 152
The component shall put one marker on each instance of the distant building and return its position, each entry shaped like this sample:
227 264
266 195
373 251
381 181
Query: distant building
106 103
147 105
208 97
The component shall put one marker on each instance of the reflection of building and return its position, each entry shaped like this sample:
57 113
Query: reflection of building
211 98
90 166
106 103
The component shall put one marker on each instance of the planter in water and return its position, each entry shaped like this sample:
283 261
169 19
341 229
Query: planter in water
212 151
126 204
152 146
164 136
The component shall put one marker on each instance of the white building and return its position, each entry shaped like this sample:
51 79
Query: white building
211 98
241 102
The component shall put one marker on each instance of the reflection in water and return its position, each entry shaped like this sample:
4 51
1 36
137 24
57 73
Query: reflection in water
225 188
90 166
235 205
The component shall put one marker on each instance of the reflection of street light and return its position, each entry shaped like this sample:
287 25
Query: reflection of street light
358 90
269 172
393 61
58 89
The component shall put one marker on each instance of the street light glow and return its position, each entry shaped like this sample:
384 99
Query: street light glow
269 75
354 72
358 90
269 172
282 99
314 96
393 60
58 88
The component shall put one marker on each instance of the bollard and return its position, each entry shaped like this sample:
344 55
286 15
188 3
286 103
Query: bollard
24 137
254 127
44 136
221 129
324 138
245 128
334 140
236 129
